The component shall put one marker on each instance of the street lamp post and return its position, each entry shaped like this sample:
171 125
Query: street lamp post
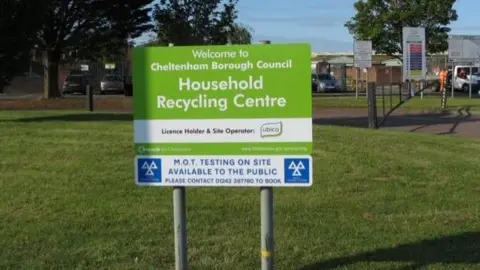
229 38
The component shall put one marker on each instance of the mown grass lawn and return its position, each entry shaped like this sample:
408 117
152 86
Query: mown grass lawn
381 200
427 104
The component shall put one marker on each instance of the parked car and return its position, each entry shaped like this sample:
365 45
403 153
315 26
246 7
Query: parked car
462 84
112 83
324 82
75 83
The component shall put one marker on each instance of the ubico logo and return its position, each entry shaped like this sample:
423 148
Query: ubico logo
271 129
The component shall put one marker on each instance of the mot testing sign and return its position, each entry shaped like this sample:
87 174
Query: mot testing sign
414 57
223 115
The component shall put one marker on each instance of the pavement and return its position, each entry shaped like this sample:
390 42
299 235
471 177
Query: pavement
461 123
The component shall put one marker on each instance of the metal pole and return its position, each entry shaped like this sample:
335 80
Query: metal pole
89 98
229 38
421 88
391 96
366 83
32 58
409 89
372 106
356 83
391 75
444 90
470 83
444 98
180 228
401 74
267 225
383 99
267 228
453 80
180 224
400 90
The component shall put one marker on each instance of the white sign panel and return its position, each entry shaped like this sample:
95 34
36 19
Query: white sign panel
84 67
233 138
463 48
109 66
414 54
363 54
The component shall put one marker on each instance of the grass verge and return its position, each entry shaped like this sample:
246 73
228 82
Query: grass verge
381 200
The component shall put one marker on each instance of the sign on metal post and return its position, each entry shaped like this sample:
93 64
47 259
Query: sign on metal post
84 67
223 116
110 66
414 54
363 54
362 58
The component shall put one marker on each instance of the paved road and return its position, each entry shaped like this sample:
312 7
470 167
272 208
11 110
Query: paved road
467 125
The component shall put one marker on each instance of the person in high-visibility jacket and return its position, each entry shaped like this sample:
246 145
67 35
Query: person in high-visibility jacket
443 79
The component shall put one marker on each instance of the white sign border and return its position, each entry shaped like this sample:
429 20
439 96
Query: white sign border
405 54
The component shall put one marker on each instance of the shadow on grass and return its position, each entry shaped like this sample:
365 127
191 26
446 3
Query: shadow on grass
462 249
82 117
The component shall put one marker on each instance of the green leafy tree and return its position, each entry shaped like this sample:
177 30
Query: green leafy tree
194 22
382 21
19 23
88 30
240 34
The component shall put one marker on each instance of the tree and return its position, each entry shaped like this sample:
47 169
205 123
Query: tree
88 30
240 34
382 21
194 22
19 23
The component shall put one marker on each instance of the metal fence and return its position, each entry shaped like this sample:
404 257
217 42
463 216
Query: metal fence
348 76
436 63
97 70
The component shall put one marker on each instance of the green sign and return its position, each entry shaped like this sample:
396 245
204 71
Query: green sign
223 100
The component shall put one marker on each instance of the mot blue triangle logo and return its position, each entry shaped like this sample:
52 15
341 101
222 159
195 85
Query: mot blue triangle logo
297 170
149 170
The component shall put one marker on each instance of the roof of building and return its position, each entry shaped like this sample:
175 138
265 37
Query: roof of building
336 57
392 62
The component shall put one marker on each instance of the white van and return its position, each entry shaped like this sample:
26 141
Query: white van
462 83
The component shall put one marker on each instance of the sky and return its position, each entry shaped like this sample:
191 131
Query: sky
321 22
